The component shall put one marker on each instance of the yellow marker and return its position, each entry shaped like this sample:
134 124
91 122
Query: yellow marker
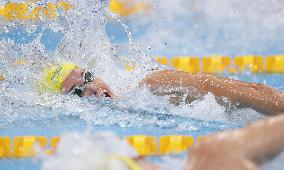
187 64
144 145
2 77
162 60
215 64
2 11
129 66
175 144
20 62
126 7
254 63
24 146
5 147
275 64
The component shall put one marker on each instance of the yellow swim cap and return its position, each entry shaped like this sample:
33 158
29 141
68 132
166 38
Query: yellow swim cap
54 77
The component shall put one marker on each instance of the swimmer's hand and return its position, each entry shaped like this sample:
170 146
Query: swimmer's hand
219 152
240 149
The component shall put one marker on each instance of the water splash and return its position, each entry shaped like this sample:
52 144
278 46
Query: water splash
86 43
211 27
85 151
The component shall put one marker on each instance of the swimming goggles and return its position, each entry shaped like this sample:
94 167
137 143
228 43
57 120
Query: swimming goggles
88 77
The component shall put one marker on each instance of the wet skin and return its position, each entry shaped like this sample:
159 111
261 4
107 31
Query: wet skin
262 98
96 87
242 149
238 149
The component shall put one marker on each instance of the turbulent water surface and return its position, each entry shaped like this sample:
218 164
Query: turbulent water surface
171 27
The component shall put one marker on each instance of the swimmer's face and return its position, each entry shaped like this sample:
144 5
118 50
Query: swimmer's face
76 79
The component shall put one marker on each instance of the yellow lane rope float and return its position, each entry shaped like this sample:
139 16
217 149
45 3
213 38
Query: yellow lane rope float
30 11
275 64
24 146
255 64
187 64
20 11
219 64
128 7
213 64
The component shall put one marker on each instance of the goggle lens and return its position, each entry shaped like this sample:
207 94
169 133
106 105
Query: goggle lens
88 77
78 91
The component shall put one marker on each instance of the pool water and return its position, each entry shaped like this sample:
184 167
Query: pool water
88 32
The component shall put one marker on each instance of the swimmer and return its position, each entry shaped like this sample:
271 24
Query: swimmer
69 78
241 149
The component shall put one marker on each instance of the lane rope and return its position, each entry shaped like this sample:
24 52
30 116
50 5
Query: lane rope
24 146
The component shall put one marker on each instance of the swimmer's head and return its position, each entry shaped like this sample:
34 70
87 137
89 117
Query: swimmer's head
69 78
54 77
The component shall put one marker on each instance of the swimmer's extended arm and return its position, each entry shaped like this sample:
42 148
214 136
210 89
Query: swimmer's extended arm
241 149
257 96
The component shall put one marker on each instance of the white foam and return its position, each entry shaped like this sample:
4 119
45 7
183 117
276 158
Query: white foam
86 43
84 151
206 27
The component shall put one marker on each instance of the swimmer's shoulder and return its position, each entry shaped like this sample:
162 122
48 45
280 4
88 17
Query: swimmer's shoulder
172 73
173 76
